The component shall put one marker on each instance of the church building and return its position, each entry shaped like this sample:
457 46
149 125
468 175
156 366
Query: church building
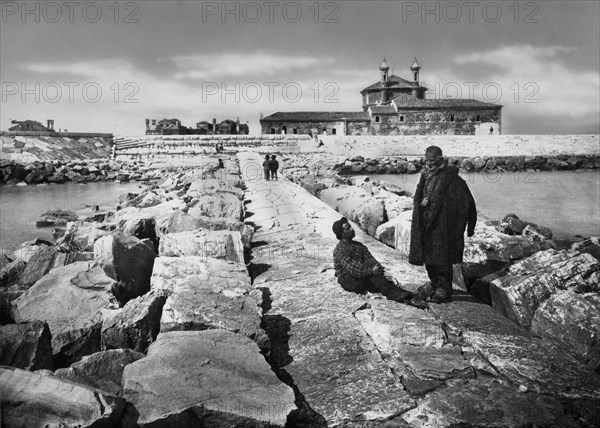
393 106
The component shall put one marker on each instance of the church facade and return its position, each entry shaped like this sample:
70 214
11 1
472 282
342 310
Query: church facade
393 106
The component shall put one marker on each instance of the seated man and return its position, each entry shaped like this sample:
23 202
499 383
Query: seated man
358 271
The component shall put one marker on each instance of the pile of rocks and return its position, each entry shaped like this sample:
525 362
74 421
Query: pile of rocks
148 317
405 165
83 171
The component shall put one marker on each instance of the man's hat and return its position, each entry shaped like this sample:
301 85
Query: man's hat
433 150
337 227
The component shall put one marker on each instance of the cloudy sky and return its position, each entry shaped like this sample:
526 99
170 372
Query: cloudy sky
106 66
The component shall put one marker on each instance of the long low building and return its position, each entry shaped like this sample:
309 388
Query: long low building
393 106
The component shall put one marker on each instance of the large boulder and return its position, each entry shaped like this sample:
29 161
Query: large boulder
40 263
56 218
199 303
225 245
127 260
10 272
396 233
81 235
207 378
136 325
26 346
356 204
571 321
530 282
7 296
69 299
102 370
218 205
37 400
141 228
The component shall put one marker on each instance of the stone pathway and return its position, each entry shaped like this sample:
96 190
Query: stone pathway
366 361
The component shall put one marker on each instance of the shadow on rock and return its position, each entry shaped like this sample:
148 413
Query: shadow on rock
278 328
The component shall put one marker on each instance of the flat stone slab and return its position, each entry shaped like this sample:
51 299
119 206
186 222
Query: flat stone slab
215 273
483 402
340 372
218 244
538 365
392 325
192 306
206 378
37 400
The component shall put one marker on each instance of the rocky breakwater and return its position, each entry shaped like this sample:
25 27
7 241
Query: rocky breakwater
159 325
365 361
510 264
488 164
78 171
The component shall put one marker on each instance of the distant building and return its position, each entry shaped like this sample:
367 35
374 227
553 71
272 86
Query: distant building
31 126
174 127
393 106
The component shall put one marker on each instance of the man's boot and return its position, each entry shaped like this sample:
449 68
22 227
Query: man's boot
441 296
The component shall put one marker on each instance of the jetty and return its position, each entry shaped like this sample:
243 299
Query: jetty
212 301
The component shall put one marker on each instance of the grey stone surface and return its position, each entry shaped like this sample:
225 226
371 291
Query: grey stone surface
208 378
37 400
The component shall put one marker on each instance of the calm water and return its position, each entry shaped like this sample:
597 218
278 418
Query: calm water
20 207
568 202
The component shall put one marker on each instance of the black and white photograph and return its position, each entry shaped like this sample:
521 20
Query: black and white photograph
300 214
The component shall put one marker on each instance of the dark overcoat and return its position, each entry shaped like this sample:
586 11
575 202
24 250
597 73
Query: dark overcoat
439 238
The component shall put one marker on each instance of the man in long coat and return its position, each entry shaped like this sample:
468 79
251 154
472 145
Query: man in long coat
443 208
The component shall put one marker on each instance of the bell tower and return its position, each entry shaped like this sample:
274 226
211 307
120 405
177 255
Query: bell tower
415 70
384 68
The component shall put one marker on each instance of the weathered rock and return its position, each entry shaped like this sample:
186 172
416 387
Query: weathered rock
102 370
69 299
590 246
40 263
56 218
127 260
26 346
487 403
136 325
218 205
571 321
141 228
225 245
209 378
198 304
538 365
10 272
81 236
7 296
531 281
149 199
357 204
28 249
220 274
37 400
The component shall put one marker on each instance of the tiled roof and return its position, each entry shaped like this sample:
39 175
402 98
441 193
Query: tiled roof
316 116
441 104
397 82
385 109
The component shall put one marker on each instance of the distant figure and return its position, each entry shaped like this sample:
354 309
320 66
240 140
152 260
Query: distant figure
267 167
96 208
491 130
273 166
221 164
320 143
358 271
443 209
